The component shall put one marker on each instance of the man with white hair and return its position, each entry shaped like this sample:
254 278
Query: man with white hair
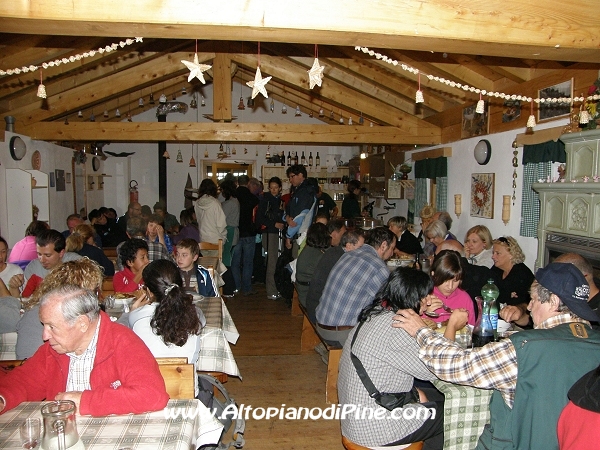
101 366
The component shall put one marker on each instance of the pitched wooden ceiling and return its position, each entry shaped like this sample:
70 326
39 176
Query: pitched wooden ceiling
355 84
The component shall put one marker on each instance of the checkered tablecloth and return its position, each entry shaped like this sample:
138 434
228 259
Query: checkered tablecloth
215 352
466 411
149 431
8 343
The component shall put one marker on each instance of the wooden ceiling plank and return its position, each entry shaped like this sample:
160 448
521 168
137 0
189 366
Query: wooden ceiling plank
222 87
546 28
228 132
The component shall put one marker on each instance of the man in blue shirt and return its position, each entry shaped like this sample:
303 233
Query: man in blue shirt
352 285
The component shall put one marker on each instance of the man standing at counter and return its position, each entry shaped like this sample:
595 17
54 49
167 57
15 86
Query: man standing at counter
526 402
101 366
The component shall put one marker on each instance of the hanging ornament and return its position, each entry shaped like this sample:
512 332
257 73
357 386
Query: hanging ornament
80 113
321 112
202 102
341 118
515 163
162 98
284 109
196 68
241 104
331 115
531 120
258 85
183 91
419 96
67 120
233 151
268 154
206 151
117 113
105 113
245 151
92 117
194 102
298 112
151 99
174 96
584 117
179 158
272 105
371 125
256 151
350 121
480 108
141 102
310 114
361 120
129 118
192 160
166 155
250 102
41 92
315 74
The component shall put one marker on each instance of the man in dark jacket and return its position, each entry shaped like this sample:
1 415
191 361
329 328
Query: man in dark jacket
299 208
243 253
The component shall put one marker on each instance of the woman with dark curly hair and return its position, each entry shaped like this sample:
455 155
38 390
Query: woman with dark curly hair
390 358
167 320
317 241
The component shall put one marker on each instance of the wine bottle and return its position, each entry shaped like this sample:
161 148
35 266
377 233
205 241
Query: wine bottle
296 158
289 159
310 159
282 158
318 160
303 159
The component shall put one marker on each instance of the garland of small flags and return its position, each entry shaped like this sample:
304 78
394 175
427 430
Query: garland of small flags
57 62
481 92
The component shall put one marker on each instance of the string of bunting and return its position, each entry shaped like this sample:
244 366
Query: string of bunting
70 59
466 87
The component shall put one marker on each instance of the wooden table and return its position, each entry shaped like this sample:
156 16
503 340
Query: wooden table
151 431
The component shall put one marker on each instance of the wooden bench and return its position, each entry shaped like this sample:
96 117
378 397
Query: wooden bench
309 339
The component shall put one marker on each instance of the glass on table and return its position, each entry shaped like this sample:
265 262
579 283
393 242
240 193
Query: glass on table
29 432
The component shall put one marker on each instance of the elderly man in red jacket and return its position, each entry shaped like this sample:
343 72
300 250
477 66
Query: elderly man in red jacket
100 365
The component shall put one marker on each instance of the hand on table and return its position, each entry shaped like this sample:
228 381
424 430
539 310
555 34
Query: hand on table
74 396
409 321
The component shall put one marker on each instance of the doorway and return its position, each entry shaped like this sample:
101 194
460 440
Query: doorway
218 170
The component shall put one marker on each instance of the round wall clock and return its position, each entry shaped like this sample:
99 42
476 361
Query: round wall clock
483 152
36 160
17 148
95 164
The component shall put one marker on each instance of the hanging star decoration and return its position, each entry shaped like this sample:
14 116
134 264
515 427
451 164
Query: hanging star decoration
196 69
258 85
315 74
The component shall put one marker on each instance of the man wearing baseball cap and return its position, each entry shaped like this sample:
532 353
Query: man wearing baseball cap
531 371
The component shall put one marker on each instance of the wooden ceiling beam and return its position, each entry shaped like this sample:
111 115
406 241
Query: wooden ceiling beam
229 132
544 30
97 91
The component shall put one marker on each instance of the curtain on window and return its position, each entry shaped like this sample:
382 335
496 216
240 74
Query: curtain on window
537 164
433 168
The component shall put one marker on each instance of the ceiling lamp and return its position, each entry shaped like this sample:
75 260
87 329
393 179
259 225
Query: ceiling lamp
194 102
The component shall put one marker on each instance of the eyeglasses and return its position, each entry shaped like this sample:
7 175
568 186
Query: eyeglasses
504 241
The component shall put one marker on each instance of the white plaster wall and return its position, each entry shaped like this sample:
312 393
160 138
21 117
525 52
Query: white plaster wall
462 164
53 157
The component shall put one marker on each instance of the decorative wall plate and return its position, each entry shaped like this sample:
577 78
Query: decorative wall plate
36 160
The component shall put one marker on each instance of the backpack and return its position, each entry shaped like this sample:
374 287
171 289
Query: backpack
218 404
206 285
283 276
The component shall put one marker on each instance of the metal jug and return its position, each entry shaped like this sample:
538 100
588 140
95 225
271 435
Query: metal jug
60 428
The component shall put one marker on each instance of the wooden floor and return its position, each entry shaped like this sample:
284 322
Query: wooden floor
275 373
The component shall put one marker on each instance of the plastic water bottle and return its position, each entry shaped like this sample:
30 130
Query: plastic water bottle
490 294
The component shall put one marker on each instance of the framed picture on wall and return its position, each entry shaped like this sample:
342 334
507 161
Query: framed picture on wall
473 123
511 110
60 180
550 110
482 195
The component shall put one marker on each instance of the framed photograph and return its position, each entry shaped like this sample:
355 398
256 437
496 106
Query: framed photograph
482 195
68 177
549 110
511 111
60 180
52 179
474 124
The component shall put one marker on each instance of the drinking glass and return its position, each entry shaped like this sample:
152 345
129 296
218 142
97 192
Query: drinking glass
30 433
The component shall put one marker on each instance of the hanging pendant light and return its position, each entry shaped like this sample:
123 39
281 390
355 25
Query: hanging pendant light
179 158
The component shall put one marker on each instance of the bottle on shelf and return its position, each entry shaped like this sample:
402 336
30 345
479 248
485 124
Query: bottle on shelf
490 294
289 159
303 159
310 159
296 158
282 158
318 160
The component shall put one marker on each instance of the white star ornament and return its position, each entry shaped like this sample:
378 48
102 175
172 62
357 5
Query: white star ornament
315 74
258 85
196 69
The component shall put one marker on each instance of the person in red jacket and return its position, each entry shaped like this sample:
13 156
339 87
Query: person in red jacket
100 365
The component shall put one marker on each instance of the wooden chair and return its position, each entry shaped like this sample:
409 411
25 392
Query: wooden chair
179 380
172 360
209 246
349 445
107 286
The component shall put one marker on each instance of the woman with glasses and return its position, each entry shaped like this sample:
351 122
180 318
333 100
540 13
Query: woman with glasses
513 279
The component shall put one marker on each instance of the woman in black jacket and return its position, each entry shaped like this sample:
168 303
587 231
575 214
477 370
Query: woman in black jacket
269 220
